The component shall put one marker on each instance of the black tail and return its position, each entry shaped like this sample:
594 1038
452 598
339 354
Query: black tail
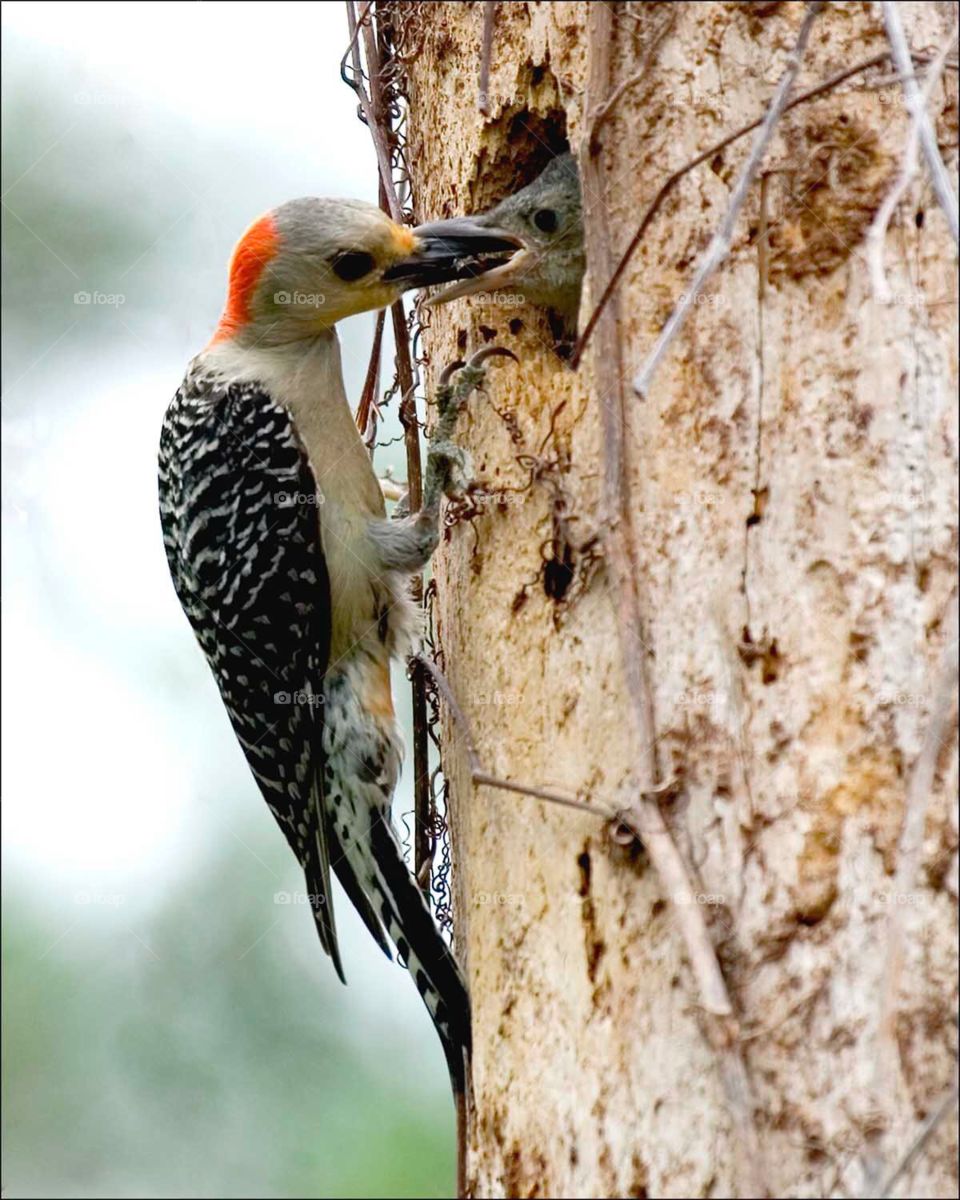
413 931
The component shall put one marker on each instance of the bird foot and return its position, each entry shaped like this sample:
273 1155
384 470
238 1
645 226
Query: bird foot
449 470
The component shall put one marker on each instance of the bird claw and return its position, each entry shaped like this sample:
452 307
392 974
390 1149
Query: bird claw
470 376
476 360
448 466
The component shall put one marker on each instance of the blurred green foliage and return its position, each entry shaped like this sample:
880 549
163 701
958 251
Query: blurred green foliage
142 1062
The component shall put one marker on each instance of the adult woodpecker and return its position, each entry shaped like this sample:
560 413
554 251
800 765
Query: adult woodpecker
293 580
546 217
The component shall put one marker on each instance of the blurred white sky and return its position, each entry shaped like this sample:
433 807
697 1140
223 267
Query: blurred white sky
120 770
265 76
268 70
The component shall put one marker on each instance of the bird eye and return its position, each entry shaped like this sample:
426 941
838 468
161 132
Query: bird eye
349 265
545 220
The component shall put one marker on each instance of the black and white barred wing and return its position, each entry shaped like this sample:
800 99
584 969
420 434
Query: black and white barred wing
241 528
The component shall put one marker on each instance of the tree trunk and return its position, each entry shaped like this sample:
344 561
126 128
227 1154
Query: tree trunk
791 527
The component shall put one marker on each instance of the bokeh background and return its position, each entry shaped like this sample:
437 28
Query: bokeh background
170 1024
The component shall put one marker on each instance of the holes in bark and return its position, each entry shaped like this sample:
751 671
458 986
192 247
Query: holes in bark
520 143
766 652
583 862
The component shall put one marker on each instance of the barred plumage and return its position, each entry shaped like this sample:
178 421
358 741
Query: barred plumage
292 578
239 511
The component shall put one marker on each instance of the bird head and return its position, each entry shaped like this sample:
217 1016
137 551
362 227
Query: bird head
311 262
546 219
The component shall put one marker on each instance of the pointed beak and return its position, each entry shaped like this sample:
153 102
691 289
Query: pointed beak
459 249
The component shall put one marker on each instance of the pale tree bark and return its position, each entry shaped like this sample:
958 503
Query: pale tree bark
789 538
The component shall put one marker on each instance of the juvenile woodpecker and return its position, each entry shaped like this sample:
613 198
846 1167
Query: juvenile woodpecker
292 578
546 218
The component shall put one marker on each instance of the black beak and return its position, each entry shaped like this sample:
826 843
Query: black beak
461 248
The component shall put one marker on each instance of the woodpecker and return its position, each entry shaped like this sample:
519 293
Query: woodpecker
292 578
546 217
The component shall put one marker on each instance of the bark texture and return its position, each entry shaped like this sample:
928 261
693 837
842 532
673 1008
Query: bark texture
793 519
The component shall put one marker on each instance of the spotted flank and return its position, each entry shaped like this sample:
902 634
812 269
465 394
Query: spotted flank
363 754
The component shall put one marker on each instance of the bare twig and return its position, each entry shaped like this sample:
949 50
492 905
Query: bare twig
348 53
926 1131
720 1024
719 246
370 104
917 108
371 387
486 49
909 165
483 778
670 183
606 108
375 108
909 855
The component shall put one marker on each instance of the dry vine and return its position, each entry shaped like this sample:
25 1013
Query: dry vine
380 109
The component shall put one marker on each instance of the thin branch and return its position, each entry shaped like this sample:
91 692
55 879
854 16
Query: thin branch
374 106
348 53
909 166
719 246
909 856
606 108
483 778
916 106
368 104
719 1021
670 183
929 1127
486 50
371 385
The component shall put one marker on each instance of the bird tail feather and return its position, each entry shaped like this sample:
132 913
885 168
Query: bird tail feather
421 946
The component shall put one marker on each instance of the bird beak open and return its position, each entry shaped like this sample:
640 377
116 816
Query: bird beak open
459 249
